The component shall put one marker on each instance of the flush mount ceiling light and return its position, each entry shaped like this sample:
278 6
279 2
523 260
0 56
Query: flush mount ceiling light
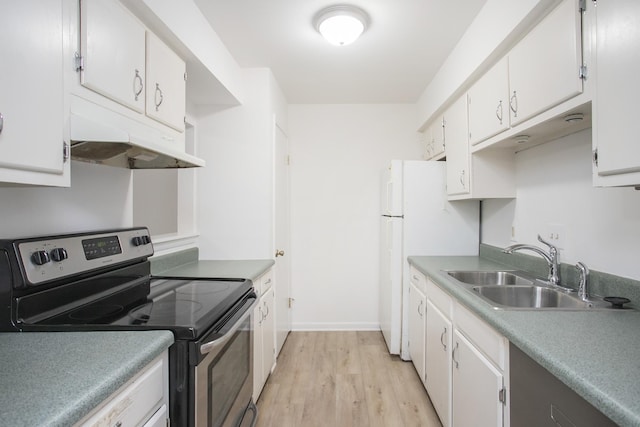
342 24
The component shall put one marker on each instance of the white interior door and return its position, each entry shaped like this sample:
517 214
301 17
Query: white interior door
281 236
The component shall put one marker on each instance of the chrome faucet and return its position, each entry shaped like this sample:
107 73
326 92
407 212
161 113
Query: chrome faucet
583 284
552 260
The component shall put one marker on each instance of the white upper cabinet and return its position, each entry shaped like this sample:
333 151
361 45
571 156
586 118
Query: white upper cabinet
126 63
544 67
166 84
113 51
489 103
457 147
615 123
31 93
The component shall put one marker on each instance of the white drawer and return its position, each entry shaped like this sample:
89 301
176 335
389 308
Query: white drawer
264 282
483 336
440 299
418 279
135 403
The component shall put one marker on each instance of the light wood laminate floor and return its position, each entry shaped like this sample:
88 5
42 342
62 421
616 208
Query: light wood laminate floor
343 379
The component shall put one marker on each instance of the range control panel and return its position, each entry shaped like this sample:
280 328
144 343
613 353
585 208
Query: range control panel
54 258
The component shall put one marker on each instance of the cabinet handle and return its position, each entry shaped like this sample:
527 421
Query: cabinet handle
118 424
499 111
442 339
419 312
155 96
266 308
1 122
513 104
453 355
462 179
137 79
279 253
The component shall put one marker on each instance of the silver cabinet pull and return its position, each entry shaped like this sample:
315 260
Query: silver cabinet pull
453 355
279 253
266 307
513 104
444 345
462 179
420 312
137 79
155 97
1 122
499 111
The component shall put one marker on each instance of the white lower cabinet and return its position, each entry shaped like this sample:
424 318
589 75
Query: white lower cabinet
142 401
438 340
264 343
466 372
417 335
477 386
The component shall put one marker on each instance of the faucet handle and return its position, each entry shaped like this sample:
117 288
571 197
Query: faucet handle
541 240
583 284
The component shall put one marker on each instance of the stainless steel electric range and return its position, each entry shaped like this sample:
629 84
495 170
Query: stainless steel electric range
101 281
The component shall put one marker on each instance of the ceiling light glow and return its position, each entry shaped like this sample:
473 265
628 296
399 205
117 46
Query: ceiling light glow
341 25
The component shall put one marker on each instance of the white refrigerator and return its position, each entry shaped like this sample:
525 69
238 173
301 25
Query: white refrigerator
417 219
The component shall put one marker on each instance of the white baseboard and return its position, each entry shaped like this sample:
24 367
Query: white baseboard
321 326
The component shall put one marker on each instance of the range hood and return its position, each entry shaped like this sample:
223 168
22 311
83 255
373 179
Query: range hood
137 147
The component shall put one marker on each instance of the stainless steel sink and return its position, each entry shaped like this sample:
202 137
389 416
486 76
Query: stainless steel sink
530 297
516 290
486 278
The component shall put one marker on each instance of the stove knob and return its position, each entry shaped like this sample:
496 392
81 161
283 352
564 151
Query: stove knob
146 240
59 254
137 241
40 257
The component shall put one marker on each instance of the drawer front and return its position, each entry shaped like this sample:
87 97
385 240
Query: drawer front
263 283
440 299
483 336
134 404
418 279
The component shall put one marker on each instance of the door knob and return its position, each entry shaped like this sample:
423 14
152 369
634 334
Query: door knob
279 253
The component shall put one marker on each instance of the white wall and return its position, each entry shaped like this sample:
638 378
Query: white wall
338 153
99 198
601 225
235 189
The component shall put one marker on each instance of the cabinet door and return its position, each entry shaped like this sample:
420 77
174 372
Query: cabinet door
488 102
258 375
31 92
166 88
457 147
268 333
417 309
544 68
616 126
113 51
477 385
438 370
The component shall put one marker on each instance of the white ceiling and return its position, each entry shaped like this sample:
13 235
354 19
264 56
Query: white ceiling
392 62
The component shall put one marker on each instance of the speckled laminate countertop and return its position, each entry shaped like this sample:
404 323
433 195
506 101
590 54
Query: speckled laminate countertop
52 379
593 352
242 269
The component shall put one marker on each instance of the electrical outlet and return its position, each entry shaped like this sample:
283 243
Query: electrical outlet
555 234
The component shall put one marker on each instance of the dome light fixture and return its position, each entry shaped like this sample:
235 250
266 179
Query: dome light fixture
341 25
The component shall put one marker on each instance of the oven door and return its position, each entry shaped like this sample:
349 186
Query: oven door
224 377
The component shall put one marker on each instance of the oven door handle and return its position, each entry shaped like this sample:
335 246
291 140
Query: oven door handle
211 345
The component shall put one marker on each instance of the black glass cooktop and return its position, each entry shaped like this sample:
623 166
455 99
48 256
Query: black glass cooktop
188 307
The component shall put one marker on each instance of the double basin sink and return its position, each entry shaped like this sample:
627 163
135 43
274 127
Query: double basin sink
516 290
